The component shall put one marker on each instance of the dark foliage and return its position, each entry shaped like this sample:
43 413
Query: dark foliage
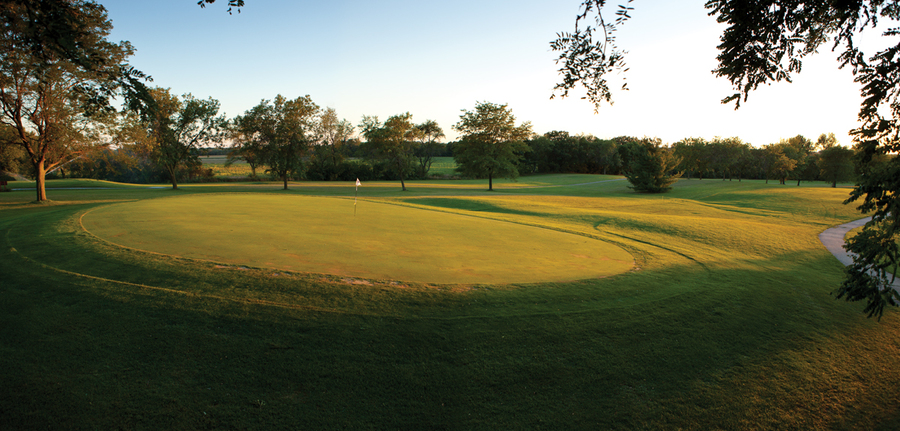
648 166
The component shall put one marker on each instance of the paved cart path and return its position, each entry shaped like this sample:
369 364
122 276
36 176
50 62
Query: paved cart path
833 240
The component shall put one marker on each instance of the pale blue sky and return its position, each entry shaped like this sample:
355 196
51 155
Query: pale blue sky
434 59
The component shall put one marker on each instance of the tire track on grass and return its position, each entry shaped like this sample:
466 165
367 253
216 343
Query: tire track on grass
249 301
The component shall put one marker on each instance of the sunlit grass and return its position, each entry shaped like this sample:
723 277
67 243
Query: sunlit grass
369 239
726 322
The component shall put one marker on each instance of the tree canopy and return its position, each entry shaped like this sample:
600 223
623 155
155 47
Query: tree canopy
650 167
429 135
283 130
179 127
57 72
491 144
836 164
393 142
333 133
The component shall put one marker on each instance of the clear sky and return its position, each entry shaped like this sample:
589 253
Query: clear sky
434 59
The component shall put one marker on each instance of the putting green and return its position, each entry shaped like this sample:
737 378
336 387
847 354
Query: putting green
382 241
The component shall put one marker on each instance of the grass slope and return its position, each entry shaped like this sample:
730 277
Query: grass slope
727 324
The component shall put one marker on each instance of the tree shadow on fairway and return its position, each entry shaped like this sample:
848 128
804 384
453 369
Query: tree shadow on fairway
469 205
727 354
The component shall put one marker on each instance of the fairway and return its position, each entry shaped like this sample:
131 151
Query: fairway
379 241
252 307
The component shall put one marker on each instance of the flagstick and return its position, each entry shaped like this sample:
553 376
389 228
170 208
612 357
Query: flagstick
355 195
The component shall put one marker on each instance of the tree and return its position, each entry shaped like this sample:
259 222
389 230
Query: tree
774 163
725 155
797 149
541 156
429 134
835 164
392 142
491 144
126 158
13 158
692 153
56 30
49 94
284 130
766 41
608 156
333 133
247 150
244 147
178 128
649 166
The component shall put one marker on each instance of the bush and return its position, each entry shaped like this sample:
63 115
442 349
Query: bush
649 167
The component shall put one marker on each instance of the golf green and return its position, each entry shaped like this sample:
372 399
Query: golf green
377 241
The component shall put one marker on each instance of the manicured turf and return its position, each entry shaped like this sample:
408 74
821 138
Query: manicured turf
373 241
727 321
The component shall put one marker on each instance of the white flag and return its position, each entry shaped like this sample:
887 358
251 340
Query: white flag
358 183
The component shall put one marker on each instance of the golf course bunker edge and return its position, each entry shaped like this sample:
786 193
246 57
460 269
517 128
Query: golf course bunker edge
373 241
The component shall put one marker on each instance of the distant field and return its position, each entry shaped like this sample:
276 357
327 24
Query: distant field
238 169
725 321
445 166
442 166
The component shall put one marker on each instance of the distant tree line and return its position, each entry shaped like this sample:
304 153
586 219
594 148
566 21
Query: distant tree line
398 148
795 159
281 138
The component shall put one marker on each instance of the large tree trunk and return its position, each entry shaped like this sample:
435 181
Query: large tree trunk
400 171
173 176
285 182
39 181
490 182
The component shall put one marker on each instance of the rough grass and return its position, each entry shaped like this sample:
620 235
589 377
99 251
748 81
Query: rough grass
727 324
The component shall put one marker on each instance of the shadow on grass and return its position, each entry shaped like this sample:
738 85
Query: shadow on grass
468 205
755 348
